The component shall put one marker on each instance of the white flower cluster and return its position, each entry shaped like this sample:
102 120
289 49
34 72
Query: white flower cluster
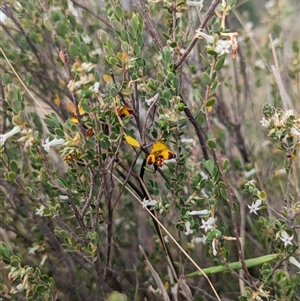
221 46
279 120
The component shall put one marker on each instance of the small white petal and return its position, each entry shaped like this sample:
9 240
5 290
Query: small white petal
39 211
96 86
86 39
287 240
207 225
223 47
293 261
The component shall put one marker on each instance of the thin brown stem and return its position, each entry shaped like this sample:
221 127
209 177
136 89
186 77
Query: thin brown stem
226 181
195 39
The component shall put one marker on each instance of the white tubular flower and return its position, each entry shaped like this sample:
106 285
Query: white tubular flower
147 203
294 132
214 243
188 140
173 160
201 212
207 225
195 3
293 261
152 99
255 206
86 66
55 142
287 240
4 137
188 228
200 34
201 239
222 46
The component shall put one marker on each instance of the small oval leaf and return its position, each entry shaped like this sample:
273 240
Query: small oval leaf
211 143
210 102
205 79
107 78
220 63
131 141
127 91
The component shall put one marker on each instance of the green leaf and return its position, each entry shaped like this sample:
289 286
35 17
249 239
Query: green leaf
210 102
10 176
113 92
135 23
61 182
74 50
125 38
15 263
48 24
41 289
211 143
61 28
205 78
14 166
220 63
56 15
29 78
6 79
140 40
118 12
116 296
84 49
209 165
236 265
59 133
166 94
167 57
222 184
224 194
225 164
262 195
127 91
160 76
5 252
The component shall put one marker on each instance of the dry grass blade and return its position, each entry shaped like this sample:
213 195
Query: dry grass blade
156 277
